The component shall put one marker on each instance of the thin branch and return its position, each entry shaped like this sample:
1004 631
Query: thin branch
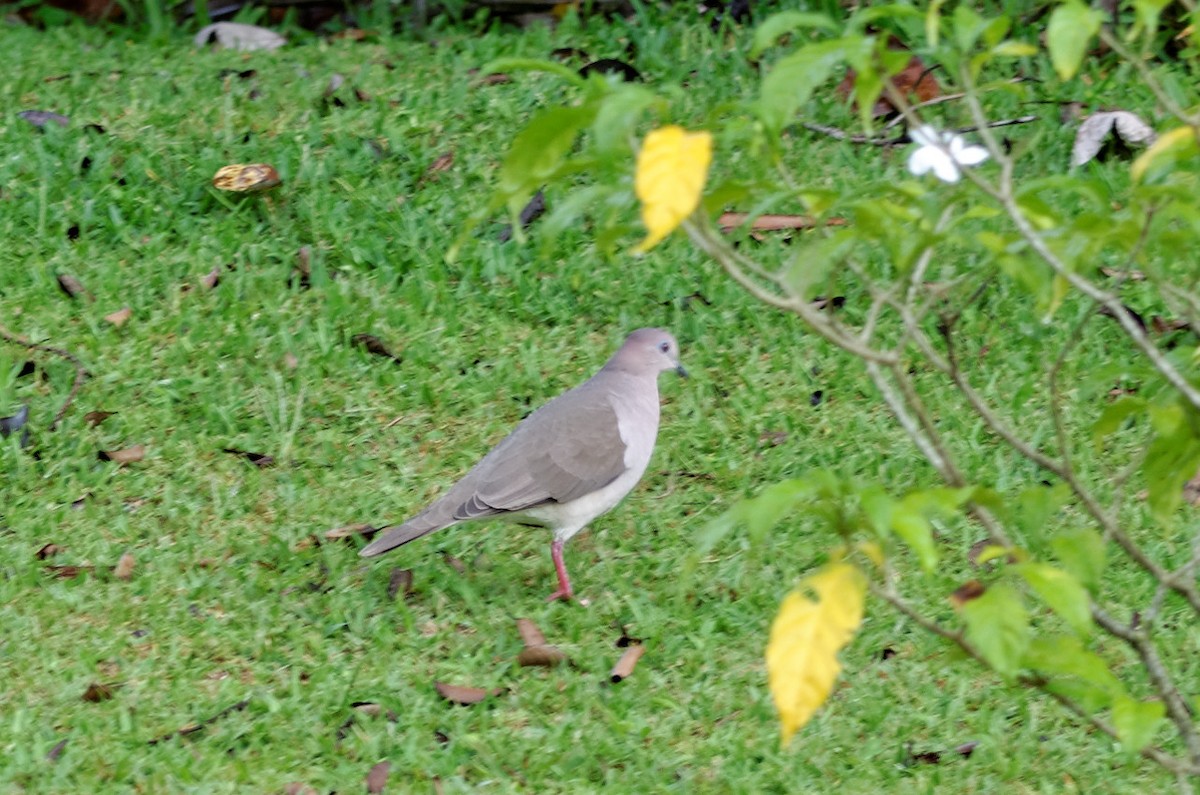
1164 685
889 594
719 249
81 372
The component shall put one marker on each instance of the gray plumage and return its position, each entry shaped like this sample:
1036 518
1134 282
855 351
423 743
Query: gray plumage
566 463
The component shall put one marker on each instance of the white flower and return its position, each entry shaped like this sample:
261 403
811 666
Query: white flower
942 153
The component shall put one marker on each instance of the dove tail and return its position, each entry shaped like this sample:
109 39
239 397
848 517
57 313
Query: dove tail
398 535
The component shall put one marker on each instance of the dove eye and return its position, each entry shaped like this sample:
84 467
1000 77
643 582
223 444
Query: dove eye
666 346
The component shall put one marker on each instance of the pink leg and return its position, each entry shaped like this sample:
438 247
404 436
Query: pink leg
564 582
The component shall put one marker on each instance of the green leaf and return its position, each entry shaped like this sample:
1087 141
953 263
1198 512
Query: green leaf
1113 417
1170 462
1147 12
794 78
1014 49
998 626
778 25
968 25
1072 26
539 150
1061 592
567 211
1136 721
1065 655
1036 505
534 65
916 531
618 115
1082 553
813 261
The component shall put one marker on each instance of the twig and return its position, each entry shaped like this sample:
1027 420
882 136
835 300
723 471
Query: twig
80 372
890 595
1176 707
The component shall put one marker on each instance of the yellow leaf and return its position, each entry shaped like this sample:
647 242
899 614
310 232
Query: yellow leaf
1173 141
806 637
671 170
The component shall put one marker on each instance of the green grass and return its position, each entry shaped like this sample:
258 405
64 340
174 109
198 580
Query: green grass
229 602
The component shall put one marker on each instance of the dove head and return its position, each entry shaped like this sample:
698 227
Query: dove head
648 351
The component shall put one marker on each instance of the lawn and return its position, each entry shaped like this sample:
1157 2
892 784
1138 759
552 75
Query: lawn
236 597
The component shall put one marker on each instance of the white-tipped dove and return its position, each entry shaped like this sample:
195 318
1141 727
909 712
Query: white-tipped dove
566 463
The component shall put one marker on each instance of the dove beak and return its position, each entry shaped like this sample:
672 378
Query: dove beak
681 370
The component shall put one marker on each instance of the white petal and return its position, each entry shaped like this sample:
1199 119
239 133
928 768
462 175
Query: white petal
971 155
925 136
924 159
946 169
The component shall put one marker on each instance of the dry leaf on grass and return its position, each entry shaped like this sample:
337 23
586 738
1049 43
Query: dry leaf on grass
124 568
192 728
96 417
48 551
239 36
246 178
298 788
1109 129
40 118
400 581
537 651
72 286
625 665
773 223
378 776
464 695
54 753
68 572
971 589
126 456
119 317
350 530
212 278
374 346
260 460
97 692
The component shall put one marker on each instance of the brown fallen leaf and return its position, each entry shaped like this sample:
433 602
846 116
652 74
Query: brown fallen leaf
72 286
290 361
260 460
971 589
192 728
54 753
377 777
246 178
822 302
400 581
119 317
48 551
94 418
493 79
124 568
347 531
530 634
915 81
126 456
212 278
454 563
534 209
462 694
40 118
625 665
68 572
298 788
1191 490
1162 325
545 656
771 223
97 692
374 346
443 162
